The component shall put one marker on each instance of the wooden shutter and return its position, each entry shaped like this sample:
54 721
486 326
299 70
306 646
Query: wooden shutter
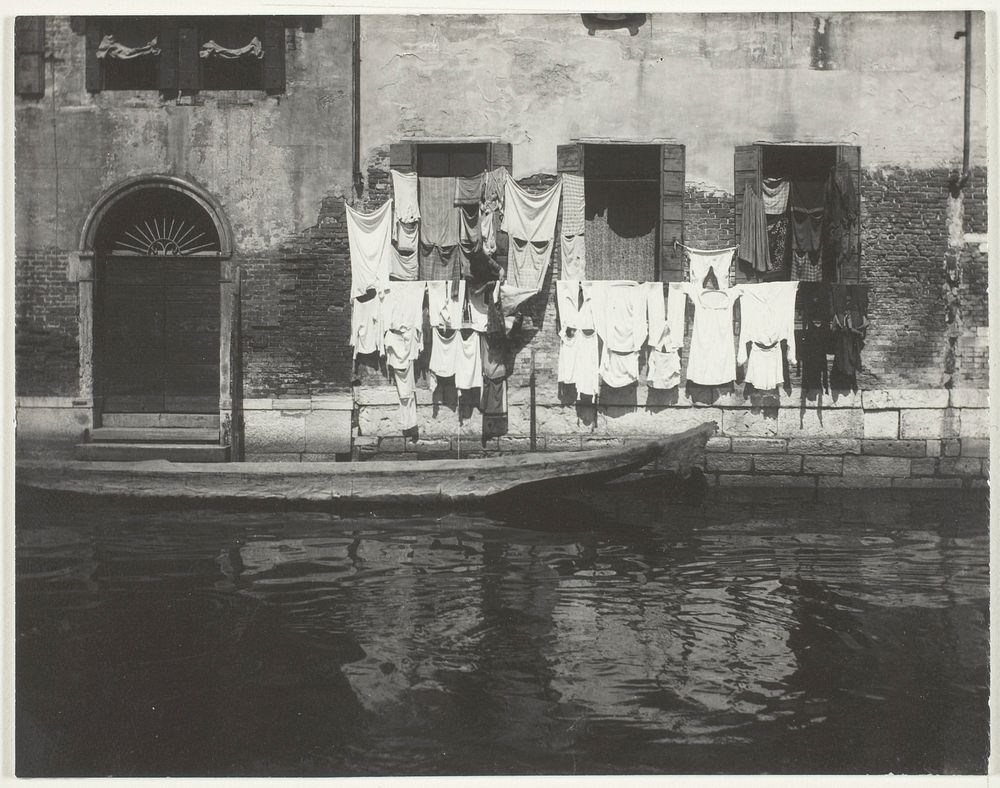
29 46
274 54
569 158
188 59
93 67
403 157
501 155
746 172
851 156
672 158
167 38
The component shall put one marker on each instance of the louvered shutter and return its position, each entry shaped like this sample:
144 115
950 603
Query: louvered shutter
672 158
93 66
851 156
188 60
746 171
29 46
167 40
274 54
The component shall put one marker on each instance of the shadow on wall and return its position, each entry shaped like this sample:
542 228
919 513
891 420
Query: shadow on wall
630 22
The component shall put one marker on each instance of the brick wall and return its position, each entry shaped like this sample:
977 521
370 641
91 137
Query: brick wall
46 350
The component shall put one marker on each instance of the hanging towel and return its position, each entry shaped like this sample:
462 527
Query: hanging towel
805 202
468 361
718 261
676 313
444 306
767 317
438 213
753 232
404 196
712 359
403 266
572 205
528 262
469 190
470 236
369 238
437 262
531 217
573 256
774 194
656 311
366 325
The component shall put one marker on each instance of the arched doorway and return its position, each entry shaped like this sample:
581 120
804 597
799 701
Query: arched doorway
158 246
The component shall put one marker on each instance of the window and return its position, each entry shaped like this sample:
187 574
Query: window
633 208
186 53
29 45
807 168
453 160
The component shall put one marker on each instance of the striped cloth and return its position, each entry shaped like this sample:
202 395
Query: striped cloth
753 232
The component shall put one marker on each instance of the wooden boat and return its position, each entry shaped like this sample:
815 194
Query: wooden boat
425 481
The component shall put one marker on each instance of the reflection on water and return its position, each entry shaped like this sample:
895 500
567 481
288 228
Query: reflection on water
750 634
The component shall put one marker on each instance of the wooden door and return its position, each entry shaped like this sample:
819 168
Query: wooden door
157 334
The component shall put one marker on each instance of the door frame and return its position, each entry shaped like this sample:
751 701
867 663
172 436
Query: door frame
82 270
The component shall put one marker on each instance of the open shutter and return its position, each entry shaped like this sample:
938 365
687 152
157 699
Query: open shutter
403 157
188 60
93 67
851 156
501 155
671 212
274 54
167 39
569 158
746 171
29 46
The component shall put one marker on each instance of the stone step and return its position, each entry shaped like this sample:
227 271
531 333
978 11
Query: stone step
135 452
191 420
154 435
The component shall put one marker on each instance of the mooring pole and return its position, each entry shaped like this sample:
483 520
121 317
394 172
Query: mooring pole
531 401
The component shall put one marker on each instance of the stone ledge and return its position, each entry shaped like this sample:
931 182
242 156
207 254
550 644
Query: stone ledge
894 448
888 399
740 480
759 445
854 481
52 402
970 398
928 483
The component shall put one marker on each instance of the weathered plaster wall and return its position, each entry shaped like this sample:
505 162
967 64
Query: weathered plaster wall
891 83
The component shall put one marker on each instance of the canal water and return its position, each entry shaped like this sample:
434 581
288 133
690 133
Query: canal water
755 632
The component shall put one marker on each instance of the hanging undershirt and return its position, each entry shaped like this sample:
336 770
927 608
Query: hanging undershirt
468 361
406 235
573 256
712 357
366 325
619 369
369 237
404 265
407 395
619 313
664 369
445 303
445 346
567 302
767 317
703 261
579 360
404 196
403 320
477 314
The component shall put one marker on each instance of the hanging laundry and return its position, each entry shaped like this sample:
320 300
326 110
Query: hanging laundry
702 261
511 297
406 235
573 256
676 313
805 202
666 334
438 214
849 304
619 369
369 238
403 266
446 345
470 236
468 361
366 324
445 303
841 216
488 231
493 404
767 317
814 342
529 220
494 187
527 262
807 266
656 312
403 321
493 350
477 314
437 262
774 195
579 360
753 247
469 190
664 369
407 394
404 196
777 241
712 357
567 302
572 204
619 313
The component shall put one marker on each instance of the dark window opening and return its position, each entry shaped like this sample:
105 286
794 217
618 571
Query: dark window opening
129 52
622 208
223 69
459 160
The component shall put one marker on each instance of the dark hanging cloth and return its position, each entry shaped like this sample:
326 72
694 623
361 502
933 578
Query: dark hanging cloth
469 191
753 247
493 350
777 241
849 304
840 218
805 204
813 301
438 263
814 343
